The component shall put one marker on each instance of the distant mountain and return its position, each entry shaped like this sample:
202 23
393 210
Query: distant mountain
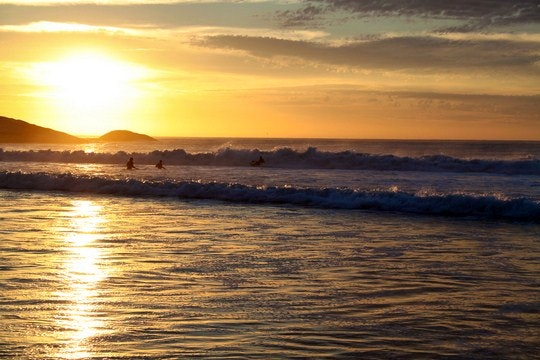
18 131
124 135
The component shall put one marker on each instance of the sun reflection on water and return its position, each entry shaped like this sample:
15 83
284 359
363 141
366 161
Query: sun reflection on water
83 270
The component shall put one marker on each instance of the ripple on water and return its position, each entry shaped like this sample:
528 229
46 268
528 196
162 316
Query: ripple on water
205 280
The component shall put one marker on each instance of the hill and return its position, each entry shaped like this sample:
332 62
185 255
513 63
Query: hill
18 131
124 135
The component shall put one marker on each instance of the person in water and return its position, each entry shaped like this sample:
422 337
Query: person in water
159 165
258 162
130 165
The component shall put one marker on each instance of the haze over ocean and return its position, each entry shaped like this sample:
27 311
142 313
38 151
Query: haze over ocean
332 248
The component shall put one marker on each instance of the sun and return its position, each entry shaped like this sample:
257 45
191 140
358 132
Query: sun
90 86
90 79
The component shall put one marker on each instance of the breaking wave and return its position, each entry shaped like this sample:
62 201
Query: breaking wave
312 158
454 204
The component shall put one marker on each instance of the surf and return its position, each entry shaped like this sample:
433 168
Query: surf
287 158
484 206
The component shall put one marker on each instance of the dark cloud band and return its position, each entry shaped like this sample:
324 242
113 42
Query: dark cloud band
394 53
476 14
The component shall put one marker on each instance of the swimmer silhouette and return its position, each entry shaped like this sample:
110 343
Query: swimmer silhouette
130 165
257 162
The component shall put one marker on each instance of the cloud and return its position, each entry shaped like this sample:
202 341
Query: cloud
162 14
398 53
154 31
502 105
54 27
109 2
409 113
477 14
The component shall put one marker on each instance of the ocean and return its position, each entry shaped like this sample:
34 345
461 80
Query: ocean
368 249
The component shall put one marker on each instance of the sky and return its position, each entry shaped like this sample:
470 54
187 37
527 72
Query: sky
383 69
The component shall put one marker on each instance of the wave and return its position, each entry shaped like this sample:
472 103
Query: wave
312 158
454 205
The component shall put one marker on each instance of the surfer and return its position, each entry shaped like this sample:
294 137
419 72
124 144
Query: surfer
159 165
130 165
258 162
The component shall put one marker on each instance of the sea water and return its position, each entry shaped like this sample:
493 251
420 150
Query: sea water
332 248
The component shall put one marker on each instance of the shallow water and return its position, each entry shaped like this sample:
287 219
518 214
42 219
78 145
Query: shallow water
90 276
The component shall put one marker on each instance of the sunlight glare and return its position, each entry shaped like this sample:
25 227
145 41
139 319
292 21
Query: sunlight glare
83 272
91 88
89 80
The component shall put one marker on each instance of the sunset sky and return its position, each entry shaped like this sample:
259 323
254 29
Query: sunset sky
418 69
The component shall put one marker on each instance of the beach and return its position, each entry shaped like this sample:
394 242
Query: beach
331 249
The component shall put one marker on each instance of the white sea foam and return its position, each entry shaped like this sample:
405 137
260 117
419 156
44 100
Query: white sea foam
312 158
393 200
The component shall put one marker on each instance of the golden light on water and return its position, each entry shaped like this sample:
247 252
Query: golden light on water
83 271
90 148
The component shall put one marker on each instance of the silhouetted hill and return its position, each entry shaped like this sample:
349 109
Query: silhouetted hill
125 135
18 131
